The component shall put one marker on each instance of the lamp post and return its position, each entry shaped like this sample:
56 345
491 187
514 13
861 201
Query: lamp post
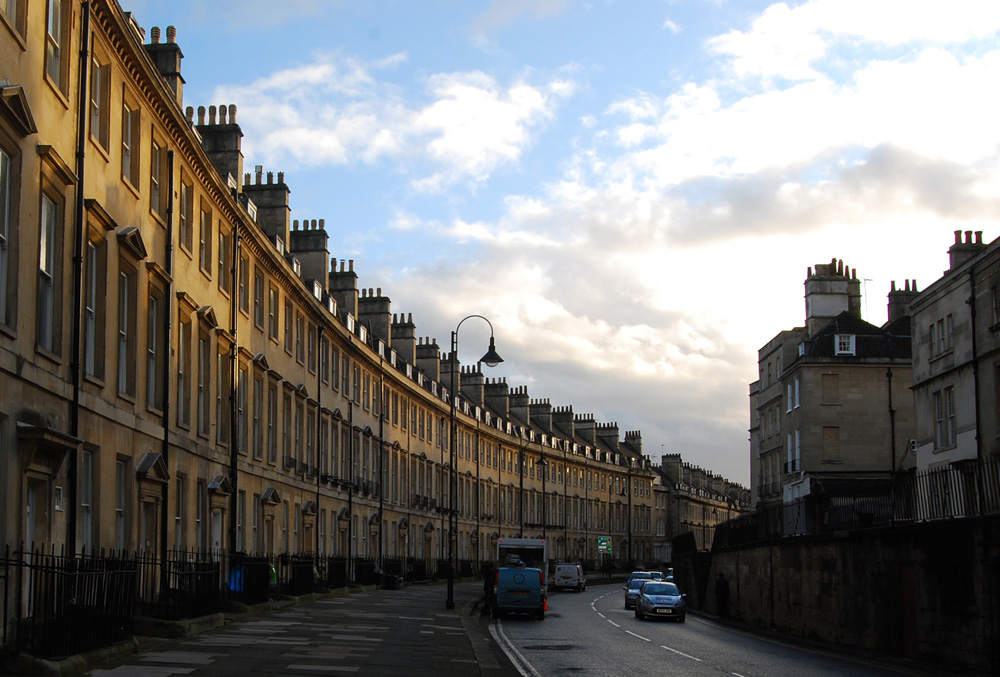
628 488
543 464
490 359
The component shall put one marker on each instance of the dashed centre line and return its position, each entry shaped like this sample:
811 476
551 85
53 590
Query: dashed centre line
680 653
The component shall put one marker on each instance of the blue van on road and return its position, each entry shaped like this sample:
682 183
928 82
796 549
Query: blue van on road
519 590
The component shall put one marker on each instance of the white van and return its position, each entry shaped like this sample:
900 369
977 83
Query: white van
569 576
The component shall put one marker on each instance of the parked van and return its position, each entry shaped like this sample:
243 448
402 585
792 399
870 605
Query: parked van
519 590
569 576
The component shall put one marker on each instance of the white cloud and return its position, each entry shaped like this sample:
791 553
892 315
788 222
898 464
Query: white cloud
502 13
336 110
473 125
785 42
676 244
638 284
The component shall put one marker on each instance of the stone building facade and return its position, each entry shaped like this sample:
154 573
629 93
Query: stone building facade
186 367
956 358
696 500
832 407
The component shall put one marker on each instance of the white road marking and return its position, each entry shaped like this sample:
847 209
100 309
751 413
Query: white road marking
635 635
680 653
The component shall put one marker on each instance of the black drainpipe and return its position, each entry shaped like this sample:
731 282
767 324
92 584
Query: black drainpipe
892 422
975 385
319 438
168 302
78 241
234 451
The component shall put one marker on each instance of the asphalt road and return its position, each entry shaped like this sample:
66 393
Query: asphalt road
591 633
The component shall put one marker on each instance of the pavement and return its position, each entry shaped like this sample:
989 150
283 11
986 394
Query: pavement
356 631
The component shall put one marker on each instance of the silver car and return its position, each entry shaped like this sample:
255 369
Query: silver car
660 599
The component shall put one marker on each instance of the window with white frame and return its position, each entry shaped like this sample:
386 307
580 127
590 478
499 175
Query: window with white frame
255 522
844 344
185 214
311 348
94 283
57 39
127 301
6 218
205 238
223 383
158 197
179 499
241 511
86 480
199 514
45 303
204 380
286 428
184 372
156 347
121 503
272 313
272 424
244 284
100 101
130 144
951 436
242 390
226 261
300 328
258 300
258 406
12 12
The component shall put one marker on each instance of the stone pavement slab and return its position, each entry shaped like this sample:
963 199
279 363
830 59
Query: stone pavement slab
381 632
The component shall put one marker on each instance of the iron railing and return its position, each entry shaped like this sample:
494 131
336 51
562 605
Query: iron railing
56 605
969 489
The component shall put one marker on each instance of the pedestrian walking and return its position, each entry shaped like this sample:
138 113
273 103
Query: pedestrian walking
722 595
486 599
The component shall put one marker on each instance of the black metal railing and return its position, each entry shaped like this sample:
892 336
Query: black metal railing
67 605
966 489
56 605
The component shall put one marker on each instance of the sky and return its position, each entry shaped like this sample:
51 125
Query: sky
631 191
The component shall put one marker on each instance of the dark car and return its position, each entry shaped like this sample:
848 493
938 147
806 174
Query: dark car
644 575
660 599
632 591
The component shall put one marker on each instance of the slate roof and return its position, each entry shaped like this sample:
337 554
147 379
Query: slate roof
889 342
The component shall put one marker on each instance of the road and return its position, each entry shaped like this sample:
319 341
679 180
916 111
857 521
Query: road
591 633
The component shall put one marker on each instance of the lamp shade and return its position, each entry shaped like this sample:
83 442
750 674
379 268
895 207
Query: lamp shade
491 358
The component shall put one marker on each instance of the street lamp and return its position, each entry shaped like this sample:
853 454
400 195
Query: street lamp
490 359
628 488
543 464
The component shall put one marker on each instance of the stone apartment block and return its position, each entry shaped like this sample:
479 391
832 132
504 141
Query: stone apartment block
956 358
695 500
832 407
183 366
